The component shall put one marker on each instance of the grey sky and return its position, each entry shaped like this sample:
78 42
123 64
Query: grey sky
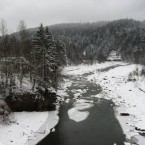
33 12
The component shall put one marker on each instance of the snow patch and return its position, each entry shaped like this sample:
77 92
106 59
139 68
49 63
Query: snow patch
24 127
77 113
84 68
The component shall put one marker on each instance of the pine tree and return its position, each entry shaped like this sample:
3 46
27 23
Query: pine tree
45 56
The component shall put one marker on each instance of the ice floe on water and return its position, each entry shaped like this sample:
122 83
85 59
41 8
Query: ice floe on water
78 112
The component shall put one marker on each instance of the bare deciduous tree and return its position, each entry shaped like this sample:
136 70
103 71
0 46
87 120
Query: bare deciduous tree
3 27
23 36
3 30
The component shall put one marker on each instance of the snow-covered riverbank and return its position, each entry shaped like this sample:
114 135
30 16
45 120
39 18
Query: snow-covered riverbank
128 96
27 127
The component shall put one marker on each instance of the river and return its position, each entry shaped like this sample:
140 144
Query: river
100 127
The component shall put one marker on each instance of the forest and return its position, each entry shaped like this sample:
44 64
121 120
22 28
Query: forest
30 68
94 41
36 56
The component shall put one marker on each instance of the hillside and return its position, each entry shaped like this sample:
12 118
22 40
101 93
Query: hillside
96 41
91 41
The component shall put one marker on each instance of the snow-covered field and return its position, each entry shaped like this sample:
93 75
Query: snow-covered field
129 96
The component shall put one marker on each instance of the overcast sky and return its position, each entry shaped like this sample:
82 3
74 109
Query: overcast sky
33 12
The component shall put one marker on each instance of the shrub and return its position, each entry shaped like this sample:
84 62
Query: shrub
4 111
138 72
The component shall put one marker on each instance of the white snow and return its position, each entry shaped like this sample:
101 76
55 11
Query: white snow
77 114
129 96
62 93
44 130
82 106
24 127
84 68
125 94
114 55
1 143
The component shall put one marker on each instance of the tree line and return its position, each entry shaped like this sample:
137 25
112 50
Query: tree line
36 57
87 42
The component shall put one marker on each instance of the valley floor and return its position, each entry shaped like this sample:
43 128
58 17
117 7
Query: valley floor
128 96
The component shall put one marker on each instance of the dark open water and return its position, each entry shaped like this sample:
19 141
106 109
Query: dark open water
100 128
